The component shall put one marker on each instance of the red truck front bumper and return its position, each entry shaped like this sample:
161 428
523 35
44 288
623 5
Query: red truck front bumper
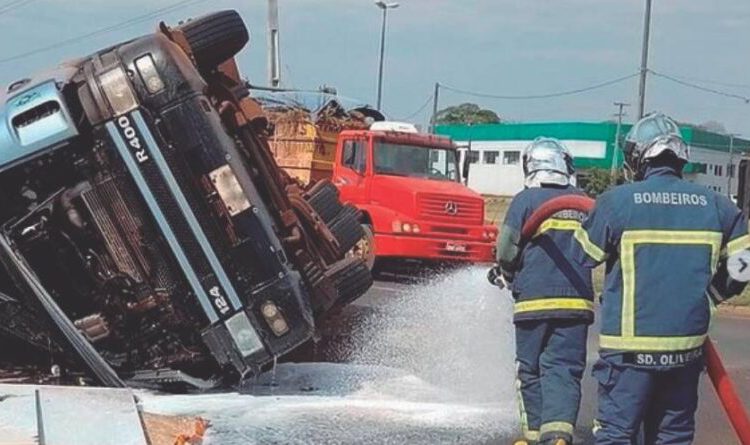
429 248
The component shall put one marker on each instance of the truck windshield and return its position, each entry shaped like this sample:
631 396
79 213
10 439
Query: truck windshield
415 161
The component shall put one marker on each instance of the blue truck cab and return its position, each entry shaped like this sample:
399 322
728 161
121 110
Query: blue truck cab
145 222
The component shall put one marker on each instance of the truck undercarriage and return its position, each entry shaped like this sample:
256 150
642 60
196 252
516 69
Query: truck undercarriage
146 232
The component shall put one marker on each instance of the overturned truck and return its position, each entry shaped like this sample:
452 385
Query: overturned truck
146 232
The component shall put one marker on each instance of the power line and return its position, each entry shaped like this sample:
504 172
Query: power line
424 105
713 82
115 27
13 5
700 87
541 96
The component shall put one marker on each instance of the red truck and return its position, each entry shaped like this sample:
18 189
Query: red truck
408 187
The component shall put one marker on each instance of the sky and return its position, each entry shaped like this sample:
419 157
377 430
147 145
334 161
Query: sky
499 47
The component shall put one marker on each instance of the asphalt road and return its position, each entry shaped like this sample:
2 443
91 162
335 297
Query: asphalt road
732 335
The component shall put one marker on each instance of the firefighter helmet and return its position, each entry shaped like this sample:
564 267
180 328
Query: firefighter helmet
651 137
547 161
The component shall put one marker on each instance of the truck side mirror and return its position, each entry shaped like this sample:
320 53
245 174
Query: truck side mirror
466 166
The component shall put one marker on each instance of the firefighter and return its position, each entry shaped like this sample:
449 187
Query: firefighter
663 239
553 299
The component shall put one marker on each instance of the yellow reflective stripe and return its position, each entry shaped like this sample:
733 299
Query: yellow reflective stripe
627 265
737 245
651 344
556 427
589 247
631 238
528 434
557 303
557 224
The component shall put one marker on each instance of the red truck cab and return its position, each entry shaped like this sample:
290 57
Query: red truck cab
408 186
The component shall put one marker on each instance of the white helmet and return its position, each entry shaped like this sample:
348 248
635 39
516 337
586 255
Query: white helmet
650 137
547 161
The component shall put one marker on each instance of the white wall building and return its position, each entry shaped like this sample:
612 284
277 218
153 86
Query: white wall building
496 152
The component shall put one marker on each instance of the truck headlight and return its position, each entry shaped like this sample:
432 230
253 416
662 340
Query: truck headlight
274 318
116 88
147 69
405 227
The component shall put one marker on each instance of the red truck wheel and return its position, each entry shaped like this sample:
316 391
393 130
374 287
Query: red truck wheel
365 247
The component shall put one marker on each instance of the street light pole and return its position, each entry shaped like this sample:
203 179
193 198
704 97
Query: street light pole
385 7
620 114
644 60
274 75
435 96
730 167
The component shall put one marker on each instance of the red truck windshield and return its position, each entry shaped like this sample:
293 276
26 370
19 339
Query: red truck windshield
415 161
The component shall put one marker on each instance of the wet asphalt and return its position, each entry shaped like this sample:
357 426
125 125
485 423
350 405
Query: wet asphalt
730 332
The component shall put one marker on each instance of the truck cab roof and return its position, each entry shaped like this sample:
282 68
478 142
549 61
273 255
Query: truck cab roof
400 137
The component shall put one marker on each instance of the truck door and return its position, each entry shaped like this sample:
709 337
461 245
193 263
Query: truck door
352 171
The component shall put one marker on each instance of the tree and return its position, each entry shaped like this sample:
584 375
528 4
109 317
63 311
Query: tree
598 180
466 113
713 126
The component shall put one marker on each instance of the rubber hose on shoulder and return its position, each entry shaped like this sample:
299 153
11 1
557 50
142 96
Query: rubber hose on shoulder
721 381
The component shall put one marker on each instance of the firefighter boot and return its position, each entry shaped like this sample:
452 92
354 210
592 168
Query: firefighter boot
556 439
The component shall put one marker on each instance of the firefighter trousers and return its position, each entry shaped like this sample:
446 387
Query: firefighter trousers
550 361
663 400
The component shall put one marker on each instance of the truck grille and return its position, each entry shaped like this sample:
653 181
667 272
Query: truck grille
450 209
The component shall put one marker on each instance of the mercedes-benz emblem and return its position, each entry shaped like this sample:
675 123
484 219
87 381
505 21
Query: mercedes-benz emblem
451 208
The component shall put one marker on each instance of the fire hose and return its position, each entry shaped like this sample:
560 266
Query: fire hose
721 381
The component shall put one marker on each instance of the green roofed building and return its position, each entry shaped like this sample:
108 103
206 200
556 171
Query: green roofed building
495 154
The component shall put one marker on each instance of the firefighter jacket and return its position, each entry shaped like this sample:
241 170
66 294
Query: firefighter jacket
545 284
662 239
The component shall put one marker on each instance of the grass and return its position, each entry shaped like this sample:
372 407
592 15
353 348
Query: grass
741 300
496 206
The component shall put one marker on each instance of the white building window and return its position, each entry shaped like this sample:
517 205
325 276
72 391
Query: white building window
490 156
511 157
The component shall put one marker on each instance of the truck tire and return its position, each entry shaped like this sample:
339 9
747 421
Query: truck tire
346 228
352 282
324 198
215 38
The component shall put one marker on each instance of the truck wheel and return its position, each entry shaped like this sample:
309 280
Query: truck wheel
215 38
324 198
365 247
352 282
346 228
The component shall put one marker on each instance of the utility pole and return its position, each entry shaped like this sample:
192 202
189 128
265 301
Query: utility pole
274 62
385 7
435 95
644 60
615 154
730 167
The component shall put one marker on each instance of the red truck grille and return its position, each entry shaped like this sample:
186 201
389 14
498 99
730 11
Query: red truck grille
450 209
